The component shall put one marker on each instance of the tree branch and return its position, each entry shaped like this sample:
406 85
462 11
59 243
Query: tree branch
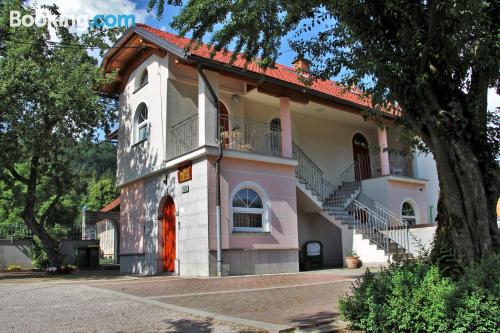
430 35
16 175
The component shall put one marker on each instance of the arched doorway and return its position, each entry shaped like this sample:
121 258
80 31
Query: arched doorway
168 229
361 156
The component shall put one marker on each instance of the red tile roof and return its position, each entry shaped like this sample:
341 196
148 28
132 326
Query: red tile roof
280 72
111 206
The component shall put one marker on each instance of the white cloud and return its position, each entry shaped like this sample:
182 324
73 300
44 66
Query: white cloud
91 8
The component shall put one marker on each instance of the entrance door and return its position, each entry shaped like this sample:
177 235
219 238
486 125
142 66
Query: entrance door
169 236
361 157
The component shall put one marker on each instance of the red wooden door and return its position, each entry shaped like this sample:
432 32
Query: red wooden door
362 167
169 236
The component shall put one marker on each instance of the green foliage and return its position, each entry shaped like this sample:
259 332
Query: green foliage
50 110
38 255
416 297
100 193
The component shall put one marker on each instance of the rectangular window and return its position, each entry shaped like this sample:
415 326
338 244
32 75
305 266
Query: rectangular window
247 220
143 133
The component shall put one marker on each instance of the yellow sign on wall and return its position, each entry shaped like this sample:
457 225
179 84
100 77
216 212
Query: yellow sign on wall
184 172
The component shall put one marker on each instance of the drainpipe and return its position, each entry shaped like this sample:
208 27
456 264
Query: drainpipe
217 171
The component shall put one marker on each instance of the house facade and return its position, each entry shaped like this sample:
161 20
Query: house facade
290 165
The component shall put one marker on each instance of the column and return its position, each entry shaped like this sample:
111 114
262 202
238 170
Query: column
384 153
207 109
286 127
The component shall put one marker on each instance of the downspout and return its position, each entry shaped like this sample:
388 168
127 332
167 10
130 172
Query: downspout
217 171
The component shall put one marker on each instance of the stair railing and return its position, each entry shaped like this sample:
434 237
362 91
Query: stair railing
397 229
308 172
369 223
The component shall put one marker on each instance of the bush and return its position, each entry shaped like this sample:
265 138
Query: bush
416 297
38 256
14 268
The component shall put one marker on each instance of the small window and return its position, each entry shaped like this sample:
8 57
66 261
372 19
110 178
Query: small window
408 214
142 123
143 80
249 212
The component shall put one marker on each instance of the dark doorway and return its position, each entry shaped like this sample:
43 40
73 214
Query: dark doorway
361 156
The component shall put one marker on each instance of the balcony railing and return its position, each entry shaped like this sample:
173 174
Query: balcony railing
183 137
369 166
248 135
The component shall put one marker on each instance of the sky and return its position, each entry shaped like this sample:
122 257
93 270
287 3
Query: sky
138 8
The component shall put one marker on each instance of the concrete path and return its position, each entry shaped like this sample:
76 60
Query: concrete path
283 302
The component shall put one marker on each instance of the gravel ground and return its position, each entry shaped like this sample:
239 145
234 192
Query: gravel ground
77 308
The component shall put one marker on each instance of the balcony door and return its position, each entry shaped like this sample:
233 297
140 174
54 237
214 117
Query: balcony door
224 124
361 155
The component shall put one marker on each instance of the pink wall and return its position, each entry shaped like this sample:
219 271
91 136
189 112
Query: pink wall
132 215
279 183
400 191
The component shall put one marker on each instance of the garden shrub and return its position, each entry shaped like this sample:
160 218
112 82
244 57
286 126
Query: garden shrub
415 297
38 256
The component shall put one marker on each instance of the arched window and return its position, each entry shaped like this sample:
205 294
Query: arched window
408 214
143 79
141 123
249 209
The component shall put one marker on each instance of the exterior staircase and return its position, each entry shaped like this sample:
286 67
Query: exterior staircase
345 204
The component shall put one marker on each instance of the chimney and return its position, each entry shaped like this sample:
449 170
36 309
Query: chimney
302 64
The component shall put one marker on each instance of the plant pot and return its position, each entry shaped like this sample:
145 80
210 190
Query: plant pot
352 262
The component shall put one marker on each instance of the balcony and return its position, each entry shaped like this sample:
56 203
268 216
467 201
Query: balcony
182 137
239 134
251 136
369 166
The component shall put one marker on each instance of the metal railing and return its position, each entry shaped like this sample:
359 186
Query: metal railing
249 135
21 231
381 225
375 221
369 166
401 164
309 173
183 137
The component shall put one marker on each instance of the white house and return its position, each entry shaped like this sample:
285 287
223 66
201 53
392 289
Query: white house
291 164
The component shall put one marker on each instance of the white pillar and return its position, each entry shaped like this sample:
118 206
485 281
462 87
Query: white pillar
207 109
384 153
286 127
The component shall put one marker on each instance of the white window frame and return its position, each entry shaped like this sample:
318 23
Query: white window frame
266 221
415 211
138 126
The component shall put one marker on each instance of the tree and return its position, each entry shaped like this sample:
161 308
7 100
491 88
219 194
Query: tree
101 192
434 60
48 105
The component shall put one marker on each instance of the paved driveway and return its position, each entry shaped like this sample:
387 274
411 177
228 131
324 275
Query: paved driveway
172 304
287 300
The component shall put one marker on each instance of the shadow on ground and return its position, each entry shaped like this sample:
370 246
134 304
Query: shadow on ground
317 319
195 326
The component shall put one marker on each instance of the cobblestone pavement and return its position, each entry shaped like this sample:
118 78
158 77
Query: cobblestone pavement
79 308
297 300
96 302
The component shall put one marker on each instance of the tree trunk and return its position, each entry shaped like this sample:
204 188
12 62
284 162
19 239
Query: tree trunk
467 204
50 245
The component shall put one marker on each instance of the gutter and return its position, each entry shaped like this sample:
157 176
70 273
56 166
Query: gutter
217 171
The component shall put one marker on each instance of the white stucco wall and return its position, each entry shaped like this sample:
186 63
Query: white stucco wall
426 169
134 159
